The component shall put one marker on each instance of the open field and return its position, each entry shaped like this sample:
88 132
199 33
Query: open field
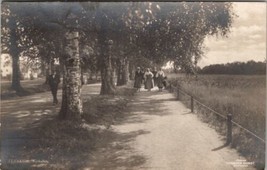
242 96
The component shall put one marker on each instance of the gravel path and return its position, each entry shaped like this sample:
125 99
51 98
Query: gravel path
172 138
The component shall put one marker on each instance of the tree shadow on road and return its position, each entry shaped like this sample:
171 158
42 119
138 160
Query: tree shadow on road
118 154
55 144
44 142
146 104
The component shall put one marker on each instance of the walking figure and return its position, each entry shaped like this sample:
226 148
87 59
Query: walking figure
54 80
155 79
138 78
160 79
165 82
148 79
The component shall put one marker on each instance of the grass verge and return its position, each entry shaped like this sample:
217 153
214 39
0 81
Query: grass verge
30 87
242 96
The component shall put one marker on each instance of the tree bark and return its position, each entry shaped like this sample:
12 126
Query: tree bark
123 72
15 85
119 73
131 71
71 107
126 72
64 103
107 82
14 51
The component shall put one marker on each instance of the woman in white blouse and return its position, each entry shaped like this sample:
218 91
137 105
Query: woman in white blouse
148 79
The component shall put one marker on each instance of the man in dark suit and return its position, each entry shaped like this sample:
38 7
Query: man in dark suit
54 80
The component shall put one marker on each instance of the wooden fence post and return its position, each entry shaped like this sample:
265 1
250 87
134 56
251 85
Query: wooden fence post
192 104
229 128
178 93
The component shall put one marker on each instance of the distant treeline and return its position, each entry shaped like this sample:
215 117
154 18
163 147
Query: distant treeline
250 67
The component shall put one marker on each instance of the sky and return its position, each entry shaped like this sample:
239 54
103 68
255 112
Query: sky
246 41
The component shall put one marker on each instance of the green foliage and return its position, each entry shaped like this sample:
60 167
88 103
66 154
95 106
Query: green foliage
160 32
178 30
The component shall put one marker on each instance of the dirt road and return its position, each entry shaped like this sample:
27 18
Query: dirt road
156 132
161 133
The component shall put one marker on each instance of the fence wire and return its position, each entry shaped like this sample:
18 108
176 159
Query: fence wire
210 109
221 115
248 131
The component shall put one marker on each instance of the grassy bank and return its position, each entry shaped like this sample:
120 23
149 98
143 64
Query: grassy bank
30 87
242 96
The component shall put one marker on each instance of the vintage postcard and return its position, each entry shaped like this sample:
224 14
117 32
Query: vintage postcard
90 85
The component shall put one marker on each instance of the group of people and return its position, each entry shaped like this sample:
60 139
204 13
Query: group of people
150 79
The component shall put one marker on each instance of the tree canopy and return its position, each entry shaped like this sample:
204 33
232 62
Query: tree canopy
111 37
163 31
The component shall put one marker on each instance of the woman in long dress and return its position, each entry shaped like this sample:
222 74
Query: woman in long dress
148 79
155 80
160 78
138 77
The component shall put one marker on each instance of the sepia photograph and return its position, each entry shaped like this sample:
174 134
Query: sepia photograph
133 85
